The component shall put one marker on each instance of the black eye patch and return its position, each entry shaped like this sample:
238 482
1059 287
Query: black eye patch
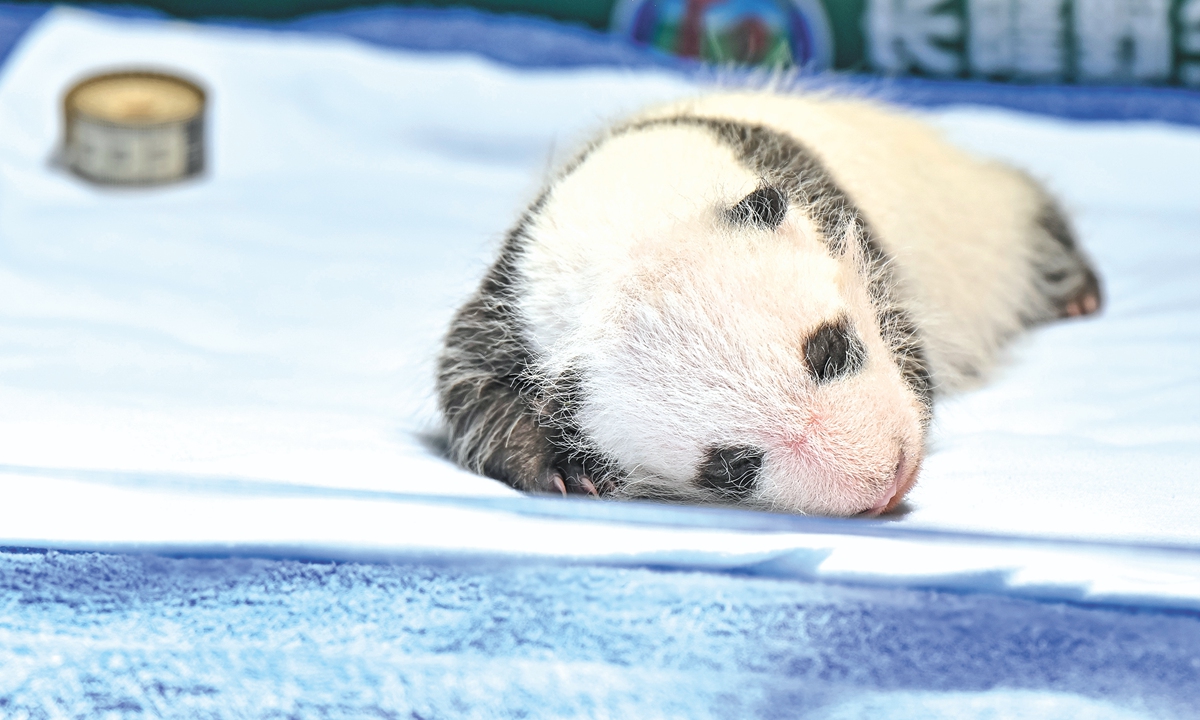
764 208
732 471
834 351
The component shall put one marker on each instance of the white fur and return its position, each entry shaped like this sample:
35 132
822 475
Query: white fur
690 332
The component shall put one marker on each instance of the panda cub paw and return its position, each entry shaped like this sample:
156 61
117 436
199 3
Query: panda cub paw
569 477
1086 300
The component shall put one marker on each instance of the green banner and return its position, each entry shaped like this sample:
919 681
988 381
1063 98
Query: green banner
1072 41
1084 41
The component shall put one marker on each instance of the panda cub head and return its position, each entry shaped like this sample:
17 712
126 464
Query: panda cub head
704 317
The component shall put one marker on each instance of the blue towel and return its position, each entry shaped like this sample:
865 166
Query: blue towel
125 636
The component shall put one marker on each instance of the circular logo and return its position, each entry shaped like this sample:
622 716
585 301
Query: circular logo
773 33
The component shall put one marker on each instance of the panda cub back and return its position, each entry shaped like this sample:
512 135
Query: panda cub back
751 299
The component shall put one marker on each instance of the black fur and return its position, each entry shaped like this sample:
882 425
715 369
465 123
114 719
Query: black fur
764 208
731 472
834 352
1052 220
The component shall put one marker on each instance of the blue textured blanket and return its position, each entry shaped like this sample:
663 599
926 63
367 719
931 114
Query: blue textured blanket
94 635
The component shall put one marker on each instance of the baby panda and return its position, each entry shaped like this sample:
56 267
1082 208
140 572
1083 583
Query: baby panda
750 299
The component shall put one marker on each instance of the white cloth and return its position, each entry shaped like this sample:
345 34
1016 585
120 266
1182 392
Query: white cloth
277 319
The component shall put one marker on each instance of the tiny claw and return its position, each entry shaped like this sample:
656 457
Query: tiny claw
1087 300
586 482
1082 305
557 481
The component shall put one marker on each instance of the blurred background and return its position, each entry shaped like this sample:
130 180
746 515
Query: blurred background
1072 41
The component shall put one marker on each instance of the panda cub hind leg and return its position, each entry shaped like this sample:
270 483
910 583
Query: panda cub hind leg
1063 276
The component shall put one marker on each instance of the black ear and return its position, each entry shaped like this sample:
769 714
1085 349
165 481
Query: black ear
764 208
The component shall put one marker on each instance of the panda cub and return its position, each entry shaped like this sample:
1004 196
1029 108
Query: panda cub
750 299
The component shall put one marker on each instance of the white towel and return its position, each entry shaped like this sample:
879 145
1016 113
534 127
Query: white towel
277 319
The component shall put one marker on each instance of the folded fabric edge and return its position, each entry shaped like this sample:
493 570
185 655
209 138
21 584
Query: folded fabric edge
522 531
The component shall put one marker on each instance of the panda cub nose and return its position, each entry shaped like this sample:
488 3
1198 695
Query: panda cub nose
731 470
833 351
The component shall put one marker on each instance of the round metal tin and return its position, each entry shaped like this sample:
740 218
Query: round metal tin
134 127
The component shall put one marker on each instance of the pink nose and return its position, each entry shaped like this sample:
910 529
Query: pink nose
898 487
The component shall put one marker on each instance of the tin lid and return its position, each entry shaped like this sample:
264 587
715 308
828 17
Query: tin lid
136 98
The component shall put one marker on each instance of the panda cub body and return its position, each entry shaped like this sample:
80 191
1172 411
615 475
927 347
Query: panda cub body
750 299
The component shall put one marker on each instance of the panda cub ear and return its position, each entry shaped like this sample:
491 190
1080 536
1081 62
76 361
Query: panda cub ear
763 208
